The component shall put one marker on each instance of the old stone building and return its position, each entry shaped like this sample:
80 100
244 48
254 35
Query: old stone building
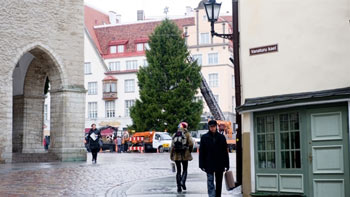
39 41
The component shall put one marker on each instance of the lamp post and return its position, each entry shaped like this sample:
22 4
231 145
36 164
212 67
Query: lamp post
212 10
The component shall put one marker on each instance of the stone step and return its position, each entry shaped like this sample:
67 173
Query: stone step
33 157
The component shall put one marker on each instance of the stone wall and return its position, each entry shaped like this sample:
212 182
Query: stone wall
55 28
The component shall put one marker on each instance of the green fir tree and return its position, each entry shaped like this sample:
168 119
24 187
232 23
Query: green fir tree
168 84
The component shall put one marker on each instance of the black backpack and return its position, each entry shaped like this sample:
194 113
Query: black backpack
180 141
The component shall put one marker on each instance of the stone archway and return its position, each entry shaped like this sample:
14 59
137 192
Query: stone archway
29 77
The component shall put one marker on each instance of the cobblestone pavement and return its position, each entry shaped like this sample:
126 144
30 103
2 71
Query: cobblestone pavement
113 175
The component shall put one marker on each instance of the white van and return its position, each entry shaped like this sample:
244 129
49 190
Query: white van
161 141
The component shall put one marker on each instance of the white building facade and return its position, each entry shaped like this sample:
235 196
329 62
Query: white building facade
116 52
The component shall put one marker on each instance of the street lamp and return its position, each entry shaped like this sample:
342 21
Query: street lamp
212 10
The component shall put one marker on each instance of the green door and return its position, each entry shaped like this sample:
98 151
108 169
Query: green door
328 152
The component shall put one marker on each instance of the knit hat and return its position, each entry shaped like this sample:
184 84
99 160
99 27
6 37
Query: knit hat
212 123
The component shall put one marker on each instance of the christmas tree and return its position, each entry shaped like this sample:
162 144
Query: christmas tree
168 84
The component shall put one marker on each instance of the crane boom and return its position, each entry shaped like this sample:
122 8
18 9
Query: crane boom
210 100
209 97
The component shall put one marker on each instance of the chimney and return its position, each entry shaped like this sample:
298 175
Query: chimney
113 17
140 15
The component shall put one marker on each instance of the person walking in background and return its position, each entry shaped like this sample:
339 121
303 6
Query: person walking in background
180 153
93 139
213 158
126 139
119 144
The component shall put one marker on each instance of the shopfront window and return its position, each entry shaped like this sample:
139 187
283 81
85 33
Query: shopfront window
278 141
266 142
290 140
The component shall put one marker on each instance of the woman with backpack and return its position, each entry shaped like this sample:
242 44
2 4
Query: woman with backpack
180 153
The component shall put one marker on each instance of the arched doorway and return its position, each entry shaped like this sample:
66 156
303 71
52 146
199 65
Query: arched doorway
30 77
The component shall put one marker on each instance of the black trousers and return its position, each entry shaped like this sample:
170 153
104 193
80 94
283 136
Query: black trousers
94 152
178 166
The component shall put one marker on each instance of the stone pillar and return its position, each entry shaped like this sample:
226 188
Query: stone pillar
67 123
18 121
33 124
5 119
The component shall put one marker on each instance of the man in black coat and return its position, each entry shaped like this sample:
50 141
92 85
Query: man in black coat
213 158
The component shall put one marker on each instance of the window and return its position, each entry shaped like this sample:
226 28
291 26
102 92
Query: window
110 87
142 46
92 88
87 68
266 142
45 112
198 98
120 48
290 140
145 63
131 65
147 46
130 85
213 58
110 109
114 66
139 47
213 80
285 128
113 49
128 105
198 57
204 38
92 110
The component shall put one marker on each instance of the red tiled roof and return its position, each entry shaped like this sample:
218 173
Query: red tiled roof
93 17
117 42
225 18
134 33
141 40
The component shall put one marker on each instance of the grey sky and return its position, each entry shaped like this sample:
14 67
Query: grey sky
128 8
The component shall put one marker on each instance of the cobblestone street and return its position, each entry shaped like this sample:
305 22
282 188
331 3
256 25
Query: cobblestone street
126 174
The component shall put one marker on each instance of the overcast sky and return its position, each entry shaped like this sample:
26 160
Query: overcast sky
128 8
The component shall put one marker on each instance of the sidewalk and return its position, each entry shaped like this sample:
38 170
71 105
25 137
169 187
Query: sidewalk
166 187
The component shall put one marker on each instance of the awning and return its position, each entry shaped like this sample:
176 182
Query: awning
252 104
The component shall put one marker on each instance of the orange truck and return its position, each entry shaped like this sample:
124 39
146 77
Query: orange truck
226 126
152 141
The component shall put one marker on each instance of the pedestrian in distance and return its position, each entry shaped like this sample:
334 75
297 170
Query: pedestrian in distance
126 139
180 153
93 140
119 144
213 158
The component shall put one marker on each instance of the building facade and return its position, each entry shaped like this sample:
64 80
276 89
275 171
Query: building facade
36 47
213 54
116 51
296 97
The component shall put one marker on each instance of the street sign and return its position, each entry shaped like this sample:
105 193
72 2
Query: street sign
263 49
